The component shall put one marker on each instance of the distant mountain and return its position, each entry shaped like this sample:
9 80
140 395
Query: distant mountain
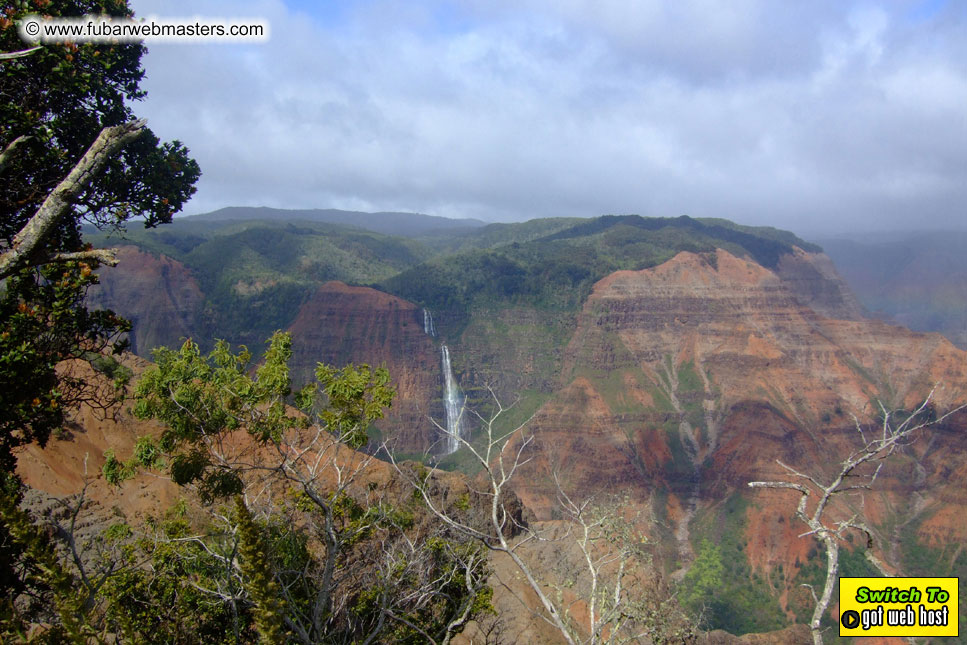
388 223
256 266
918 279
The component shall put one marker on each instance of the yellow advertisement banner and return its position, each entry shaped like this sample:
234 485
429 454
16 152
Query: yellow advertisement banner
898 607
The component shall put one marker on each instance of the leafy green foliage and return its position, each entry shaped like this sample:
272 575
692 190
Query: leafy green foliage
203 397
61 97
706 575
356 396
332 560
200 397
723 588
55 102
42 323
183 595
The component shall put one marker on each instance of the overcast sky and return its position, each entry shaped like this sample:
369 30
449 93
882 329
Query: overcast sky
814 116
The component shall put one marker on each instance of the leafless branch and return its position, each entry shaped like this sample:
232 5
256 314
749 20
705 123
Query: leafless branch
19 54
7 155
875 447
27 247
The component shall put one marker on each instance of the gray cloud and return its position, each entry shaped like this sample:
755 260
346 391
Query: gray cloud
807 115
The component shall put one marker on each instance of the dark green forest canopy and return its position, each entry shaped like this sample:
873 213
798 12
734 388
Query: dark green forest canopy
59 98
557 270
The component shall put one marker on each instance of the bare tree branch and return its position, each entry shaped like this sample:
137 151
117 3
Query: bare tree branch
7 155
27 247
876 447
102 256
20 54
603 571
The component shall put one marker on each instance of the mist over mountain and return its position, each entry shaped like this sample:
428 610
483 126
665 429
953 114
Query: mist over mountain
918 279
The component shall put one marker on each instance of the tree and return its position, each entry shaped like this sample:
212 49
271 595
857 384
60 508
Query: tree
45 573
71 153
857 473
610 573
350 558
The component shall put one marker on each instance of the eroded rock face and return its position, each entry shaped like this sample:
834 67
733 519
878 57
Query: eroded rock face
342 324
157 294
745 333
685 381
679 384
815 283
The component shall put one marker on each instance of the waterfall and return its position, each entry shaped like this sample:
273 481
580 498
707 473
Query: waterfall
453 403
428 327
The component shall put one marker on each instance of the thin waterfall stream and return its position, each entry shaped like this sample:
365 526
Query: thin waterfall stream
453 403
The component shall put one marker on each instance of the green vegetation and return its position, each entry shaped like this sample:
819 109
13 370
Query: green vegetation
852 564
199 397
705 577
495 235
922 559
41 324
30 565
398 579
167 601
256 273
57 101
723 588
334 557
681 465
70 152
613 389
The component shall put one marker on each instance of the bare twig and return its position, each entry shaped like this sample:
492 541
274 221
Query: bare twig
27 247
875 447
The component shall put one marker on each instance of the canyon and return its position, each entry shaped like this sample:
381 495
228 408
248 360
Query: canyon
670 384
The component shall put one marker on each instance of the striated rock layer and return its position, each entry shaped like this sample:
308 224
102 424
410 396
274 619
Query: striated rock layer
673 387
342 324
157 294
748 336
685 381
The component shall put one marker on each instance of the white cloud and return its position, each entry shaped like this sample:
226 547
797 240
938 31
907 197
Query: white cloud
805 115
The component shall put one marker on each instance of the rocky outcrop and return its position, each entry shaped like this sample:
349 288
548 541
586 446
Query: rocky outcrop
746 334
342 324
157 294
815 283
685 381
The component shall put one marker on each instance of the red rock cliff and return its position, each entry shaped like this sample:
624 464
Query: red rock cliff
342 324
691 378
157 294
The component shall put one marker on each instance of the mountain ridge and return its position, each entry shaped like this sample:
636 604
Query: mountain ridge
387 222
